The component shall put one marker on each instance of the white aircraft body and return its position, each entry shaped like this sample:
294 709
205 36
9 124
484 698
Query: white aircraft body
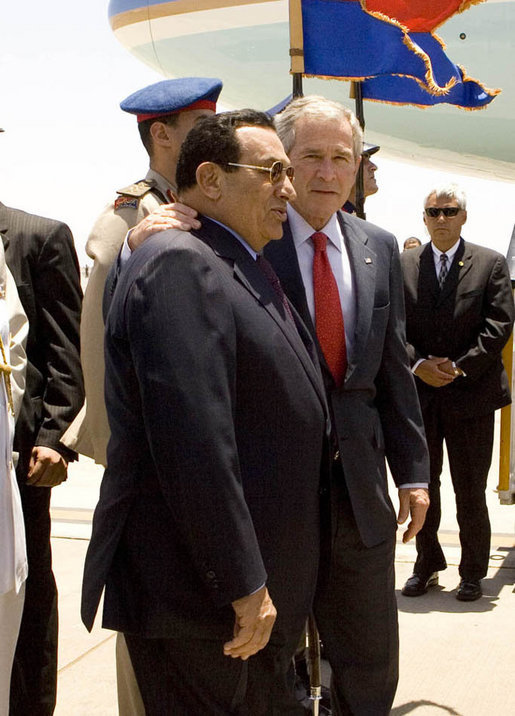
247 45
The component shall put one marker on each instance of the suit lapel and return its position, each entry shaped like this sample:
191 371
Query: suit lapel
364 267
427 273
283 256
248 273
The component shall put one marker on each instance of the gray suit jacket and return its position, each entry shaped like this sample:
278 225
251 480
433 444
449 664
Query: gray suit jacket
376 413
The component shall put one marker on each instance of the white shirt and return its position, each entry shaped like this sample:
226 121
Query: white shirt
450 253
340 265
13 556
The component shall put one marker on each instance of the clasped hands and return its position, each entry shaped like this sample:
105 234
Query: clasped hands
438 371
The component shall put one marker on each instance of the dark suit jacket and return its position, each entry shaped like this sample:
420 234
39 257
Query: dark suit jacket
376 412
41 256
218 423
469 321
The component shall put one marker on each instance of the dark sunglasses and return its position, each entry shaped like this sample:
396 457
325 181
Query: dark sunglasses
447 211
275 171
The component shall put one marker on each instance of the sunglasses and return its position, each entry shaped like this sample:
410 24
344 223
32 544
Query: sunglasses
275 171
447 211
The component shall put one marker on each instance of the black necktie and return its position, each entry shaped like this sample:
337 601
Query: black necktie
443 270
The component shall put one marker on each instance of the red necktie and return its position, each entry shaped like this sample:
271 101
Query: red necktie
328 311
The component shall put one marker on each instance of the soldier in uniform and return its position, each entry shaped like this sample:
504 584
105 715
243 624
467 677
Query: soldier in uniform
165 111
369 180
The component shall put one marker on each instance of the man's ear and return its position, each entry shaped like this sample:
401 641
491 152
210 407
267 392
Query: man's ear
209 179
159 133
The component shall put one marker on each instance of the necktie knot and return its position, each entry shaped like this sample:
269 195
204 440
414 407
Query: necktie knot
319 240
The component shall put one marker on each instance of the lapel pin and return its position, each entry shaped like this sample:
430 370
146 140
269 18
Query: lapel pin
368 260
460 263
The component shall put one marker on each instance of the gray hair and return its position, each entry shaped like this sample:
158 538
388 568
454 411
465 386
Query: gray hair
448 191
316 107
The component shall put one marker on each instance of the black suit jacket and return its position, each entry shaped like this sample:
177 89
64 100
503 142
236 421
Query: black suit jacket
376 412
218 423
469 321
41 256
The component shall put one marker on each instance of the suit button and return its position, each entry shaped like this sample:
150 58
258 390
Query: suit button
210 576
323 491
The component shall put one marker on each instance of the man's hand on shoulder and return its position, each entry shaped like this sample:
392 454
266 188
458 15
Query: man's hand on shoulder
255 617
436 371
168 216
413 501
47 467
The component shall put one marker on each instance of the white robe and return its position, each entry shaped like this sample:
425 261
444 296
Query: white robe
13 556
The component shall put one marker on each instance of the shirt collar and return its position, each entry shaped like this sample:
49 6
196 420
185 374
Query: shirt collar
160 182
449 253
302 231
242 241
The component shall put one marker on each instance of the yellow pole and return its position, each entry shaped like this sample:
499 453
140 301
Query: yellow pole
505 442
296 38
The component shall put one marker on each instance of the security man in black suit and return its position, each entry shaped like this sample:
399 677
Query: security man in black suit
41 256
459 315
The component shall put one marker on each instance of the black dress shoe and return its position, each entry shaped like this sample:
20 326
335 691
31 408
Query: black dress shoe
469 590
418 584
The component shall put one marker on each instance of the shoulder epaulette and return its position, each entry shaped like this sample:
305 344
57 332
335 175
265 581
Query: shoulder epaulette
137 190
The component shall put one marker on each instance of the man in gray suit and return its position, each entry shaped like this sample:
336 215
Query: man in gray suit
372 395
362 350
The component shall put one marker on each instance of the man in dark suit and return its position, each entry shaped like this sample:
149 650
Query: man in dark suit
372 397
218 422
41 256
459 315
371 392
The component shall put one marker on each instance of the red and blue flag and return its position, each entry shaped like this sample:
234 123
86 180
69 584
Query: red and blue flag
391 47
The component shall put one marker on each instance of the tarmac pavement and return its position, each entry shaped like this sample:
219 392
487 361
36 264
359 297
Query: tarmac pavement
457 658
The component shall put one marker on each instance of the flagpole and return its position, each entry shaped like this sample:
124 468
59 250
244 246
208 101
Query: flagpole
296 46
356 92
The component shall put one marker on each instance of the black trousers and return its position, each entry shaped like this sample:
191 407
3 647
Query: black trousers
356 614
189 677
469 443
34 675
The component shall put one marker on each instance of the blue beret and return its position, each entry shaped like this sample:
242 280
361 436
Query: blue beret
173 96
